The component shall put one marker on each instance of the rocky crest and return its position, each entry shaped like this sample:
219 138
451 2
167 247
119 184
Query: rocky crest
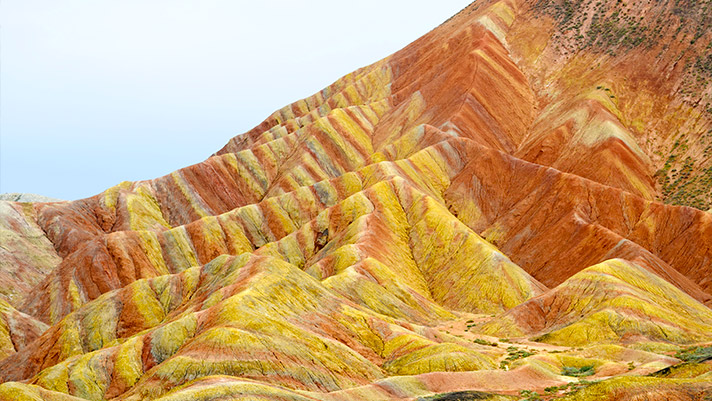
513 203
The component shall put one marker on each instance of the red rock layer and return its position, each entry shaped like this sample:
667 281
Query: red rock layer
480 170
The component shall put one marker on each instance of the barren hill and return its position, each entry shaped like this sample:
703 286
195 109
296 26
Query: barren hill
513 203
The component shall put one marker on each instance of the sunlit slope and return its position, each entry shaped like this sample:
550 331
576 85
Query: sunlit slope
632 81
444 171
250 316
393 274
489 210
384 112
610 302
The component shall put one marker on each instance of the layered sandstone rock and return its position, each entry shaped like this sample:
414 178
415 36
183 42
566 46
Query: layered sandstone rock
497 205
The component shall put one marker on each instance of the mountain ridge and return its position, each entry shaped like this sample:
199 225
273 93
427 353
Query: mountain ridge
501 203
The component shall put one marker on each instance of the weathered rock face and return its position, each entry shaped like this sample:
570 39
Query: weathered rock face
17 330
25 197
26 255
496 178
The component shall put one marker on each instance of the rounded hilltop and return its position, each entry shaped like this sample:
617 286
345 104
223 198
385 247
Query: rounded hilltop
512 207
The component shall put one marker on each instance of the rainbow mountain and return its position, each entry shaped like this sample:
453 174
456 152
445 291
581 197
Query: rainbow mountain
516 205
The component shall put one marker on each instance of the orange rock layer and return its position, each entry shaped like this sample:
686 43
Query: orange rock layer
375 240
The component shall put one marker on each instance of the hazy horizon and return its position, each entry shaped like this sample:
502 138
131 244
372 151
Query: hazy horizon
95 93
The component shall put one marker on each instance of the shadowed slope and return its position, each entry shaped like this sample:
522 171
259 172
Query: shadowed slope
26 254
17 330
598 222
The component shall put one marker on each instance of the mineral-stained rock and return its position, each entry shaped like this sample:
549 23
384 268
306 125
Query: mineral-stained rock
26 254
26 198
511 202
607 303
16 329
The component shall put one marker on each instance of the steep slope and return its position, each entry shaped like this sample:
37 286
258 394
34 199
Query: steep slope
608 302
273 322
17 330
479 211
351 262
26 254
537 207
585 59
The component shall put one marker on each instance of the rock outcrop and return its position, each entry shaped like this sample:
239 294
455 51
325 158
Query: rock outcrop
510 203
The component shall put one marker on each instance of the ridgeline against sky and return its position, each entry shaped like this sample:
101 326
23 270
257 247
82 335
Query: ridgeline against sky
102 92
514 203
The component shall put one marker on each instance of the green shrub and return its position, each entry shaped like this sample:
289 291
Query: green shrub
484 342
529 395
578 372
695 354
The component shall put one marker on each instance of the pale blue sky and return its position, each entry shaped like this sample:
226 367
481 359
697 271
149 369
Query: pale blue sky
94 92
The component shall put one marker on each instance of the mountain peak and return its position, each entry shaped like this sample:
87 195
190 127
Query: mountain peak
512 204
26 197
